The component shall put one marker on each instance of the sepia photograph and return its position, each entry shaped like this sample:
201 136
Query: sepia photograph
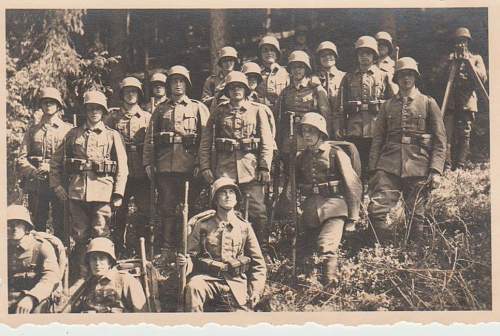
257 160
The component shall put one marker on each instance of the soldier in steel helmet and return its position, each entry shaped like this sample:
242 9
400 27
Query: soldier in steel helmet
407 153
243 140
364 90
462 102
331 78
108 290
214 85
93 160
158 82
132 122
175 132
274 77
39 144
224 257
33 271
385 61
327 176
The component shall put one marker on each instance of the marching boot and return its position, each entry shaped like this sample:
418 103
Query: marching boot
330 262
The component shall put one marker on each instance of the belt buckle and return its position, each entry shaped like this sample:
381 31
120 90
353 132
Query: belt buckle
406 140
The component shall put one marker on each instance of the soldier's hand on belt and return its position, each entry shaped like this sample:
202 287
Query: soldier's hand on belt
208 176
116 200
61 193
434 179
25 305
149 171
263 176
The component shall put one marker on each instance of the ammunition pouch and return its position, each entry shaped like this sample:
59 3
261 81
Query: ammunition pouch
169 138
239 266
216 268
327 189
356 105
374 106
246 145
22 281
75 166
189 141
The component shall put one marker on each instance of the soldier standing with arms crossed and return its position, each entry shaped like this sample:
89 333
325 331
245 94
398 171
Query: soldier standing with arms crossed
39 144
243 142
176 125
364 91
94 161
132 122
407 153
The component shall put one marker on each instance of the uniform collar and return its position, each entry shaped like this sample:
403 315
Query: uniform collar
387 59
245 105
26 242
55 121
332 71
372 69
134 111
100 127
303 83
183 100
253 95
221 76
161 100
414 92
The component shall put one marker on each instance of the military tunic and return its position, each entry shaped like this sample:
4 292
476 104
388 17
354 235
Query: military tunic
132 126
274 80
175 162
150 108
387 64
212 88
39 144
225 241
32 270
331 80
409 141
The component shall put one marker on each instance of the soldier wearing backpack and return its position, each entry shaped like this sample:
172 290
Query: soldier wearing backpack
33 270
330 180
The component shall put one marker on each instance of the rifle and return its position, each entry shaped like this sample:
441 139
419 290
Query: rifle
293 191
74 294
449 84
154 218
183 248
144 274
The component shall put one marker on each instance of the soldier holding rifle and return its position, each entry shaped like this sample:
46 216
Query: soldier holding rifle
224 258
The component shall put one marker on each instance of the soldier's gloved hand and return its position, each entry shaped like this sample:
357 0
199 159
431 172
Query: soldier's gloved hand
208 176
434 179
61 193
253 300
263 176
181 260
149 171
25 305
116 201
43 170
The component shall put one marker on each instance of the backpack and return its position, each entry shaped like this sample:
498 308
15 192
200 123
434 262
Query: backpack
60 250
350 149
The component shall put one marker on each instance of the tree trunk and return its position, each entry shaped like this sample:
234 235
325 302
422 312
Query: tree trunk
218 35
118 45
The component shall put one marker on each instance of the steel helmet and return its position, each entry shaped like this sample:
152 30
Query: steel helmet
101 244
273 41
299 56
19 212
251 68
51 93
95 97
236 77
463 32
227 52
158 77
327 45
131 82
405 63
223 182
179 70
316 120
386 37
367 42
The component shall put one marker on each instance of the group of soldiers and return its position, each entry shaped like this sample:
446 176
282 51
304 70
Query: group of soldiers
328 136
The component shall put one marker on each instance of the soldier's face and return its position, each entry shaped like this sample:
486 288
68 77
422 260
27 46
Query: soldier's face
301 38
226 198
16 229
177 85
365 57
50 106
158 89
236 91
268 54
406 79
130 95
253 81
311 135
297 70
227 63
99 263
94 112
383 49
327 58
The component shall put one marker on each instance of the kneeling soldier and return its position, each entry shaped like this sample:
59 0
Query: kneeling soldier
94 161
325 175
407 153
32 264
224 256
109 290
